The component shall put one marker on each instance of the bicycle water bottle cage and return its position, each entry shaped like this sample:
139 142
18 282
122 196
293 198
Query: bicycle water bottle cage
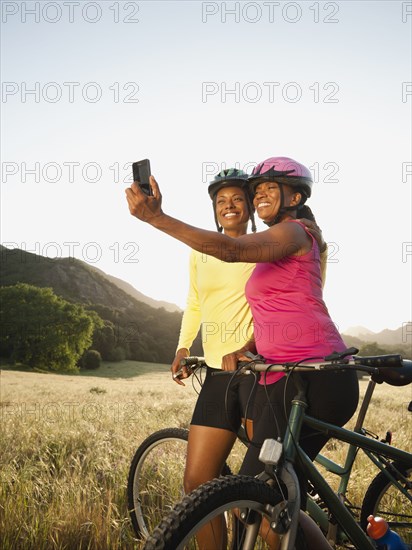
271 452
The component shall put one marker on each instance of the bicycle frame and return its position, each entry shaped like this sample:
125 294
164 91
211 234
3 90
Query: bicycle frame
293 453
345 470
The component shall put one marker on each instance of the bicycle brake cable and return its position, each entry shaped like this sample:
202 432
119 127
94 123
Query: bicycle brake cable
247 408
232 377
270 403
198 378
293 366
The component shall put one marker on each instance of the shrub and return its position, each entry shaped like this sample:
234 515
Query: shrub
117 354
91 359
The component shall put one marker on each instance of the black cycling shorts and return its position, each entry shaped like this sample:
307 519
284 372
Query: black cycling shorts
223 400
332 397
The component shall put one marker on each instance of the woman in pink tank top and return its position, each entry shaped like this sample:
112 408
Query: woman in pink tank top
291 321
285 295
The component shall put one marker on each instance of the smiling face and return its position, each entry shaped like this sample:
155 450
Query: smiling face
232 210
267 199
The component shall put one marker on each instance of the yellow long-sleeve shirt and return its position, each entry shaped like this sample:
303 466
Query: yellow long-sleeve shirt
216 303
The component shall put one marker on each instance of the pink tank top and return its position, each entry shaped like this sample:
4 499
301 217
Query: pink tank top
291 321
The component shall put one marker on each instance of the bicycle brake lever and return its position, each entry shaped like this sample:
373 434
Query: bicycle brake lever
254 357
178 374
338 356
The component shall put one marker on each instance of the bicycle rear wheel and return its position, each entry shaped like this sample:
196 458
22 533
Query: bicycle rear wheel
224 500
385 500
155 481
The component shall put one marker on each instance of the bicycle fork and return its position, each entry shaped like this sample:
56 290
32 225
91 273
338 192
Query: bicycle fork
284 517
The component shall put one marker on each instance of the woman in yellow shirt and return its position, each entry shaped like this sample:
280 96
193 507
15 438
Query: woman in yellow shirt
216 303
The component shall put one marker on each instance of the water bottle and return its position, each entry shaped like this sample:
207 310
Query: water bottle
385 539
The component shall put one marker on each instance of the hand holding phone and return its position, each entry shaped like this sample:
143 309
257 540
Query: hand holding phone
141 175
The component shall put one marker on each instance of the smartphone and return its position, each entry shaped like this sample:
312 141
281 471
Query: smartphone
141 173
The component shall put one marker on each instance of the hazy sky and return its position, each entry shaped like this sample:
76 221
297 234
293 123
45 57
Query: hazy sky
89 87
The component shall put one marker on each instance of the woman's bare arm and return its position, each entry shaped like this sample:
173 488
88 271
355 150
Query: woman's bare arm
282 240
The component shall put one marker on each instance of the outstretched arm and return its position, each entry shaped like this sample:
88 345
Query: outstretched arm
267 246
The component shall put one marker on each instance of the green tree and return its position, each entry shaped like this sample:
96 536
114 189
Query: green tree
372 348
104 340
40 329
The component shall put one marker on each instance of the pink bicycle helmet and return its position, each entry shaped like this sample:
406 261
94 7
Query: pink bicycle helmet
283 170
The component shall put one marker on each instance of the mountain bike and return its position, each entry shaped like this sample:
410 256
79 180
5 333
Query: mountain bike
247 506
155 481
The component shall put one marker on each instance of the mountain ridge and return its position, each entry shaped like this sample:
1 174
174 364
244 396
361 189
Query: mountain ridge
130 289
57 273
133 329
386 336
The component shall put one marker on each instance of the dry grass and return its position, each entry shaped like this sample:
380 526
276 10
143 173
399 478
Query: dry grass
67 442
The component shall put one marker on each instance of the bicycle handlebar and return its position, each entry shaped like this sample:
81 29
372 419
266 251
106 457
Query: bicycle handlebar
391 369
191 363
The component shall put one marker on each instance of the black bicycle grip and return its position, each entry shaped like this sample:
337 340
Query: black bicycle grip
394 360
191 361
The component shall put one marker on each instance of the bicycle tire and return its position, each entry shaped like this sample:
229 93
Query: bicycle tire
155 479
383 499
212 500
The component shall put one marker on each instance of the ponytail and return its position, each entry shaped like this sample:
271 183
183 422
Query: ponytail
305 212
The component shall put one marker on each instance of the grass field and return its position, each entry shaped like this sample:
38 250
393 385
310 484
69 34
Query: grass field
67 441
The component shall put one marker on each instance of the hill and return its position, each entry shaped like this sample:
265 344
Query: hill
139 296
357 331
136 330
386 337
72 279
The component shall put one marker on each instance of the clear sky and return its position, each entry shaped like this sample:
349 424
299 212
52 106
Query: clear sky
89 87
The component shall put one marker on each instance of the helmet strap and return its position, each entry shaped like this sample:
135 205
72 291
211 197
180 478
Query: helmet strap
251 214
283 209
218 227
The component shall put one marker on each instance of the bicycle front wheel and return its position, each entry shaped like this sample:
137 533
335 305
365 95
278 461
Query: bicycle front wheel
229 509
155 481
385 500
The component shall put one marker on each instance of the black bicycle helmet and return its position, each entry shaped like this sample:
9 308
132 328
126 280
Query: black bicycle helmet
228 178
232 177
